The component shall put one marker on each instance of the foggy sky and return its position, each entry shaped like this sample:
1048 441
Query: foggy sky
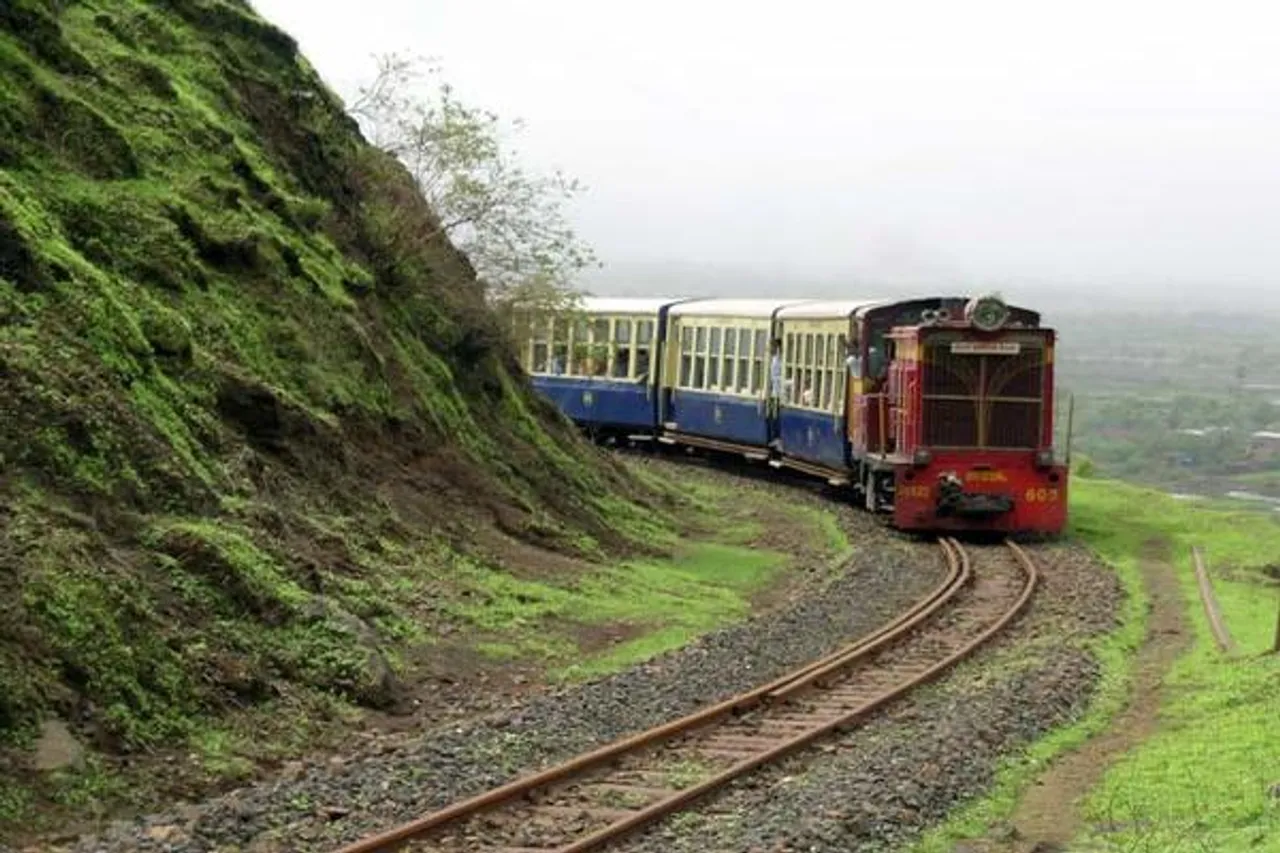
1128 146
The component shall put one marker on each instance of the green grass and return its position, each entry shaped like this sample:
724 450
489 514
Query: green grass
704 586
708 586
1201 782
707 582
222 752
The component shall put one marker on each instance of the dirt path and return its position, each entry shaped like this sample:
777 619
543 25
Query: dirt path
1048 816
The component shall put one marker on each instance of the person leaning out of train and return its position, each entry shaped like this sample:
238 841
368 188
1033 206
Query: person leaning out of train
853 362
775 370
875 362
775 376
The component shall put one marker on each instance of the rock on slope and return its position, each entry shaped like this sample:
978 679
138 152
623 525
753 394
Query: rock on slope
252 414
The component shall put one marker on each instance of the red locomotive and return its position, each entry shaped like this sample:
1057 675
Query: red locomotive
958 432
938 410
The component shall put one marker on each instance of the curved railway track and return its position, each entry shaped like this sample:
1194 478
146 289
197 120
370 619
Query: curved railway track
589 801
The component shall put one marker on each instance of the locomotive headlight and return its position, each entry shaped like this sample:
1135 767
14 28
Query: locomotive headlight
987 313
1044 459
921 458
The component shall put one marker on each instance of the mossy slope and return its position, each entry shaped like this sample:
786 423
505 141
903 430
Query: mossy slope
249 410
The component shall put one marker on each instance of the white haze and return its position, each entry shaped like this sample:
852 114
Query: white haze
1116 150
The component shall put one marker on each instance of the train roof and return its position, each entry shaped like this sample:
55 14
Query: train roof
628 304
731 307
787 309
820 309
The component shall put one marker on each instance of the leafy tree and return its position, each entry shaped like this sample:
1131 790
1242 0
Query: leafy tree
510 223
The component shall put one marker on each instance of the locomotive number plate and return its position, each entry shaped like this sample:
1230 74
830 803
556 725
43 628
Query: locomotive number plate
986 347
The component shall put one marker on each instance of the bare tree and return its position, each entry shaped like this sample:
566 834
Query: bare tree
511 224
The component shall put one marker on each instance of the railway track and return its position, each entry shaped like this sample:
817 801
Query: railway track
596 798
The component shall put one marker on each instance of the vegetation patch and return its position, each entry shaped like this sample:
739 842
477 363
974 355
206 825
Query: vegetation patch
1204 780
1174 399
648 606
704 588
251 419
1207 779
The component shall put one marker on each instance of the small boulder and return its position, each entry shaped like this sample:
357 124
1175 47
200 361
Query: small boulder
57 748
376 684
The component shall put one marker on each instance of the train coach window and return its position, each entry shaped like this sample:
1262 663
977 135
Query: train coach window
789 357
713 359
598 355
832 374
644 340
621 349
757 361
806 390
580 349
744 361
730 359
700 358
820 383
559 347
686 356
541 348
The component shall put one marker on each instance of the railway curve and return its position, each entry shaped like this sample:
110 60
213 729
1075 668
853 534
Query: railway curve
603 795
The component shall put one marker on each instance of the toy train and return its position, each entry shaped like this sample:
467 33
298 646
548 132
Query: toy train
936 410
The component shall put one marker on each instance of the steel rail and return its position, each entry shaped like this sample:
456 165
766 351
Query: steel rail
958 575
687 796
1221 636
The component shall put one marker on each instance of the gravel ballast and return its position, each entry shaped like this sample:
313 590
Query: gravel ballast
883 784
321 804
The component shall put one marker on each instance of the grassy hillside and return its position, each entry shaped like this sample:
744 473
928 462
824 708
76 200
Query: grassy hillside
253 422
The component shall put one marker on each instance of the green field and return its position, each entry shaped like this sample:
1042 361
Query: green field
1207 780
1172 400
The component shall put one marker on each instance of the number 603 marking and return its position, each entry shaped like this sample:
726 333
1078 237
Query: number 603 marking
1034 496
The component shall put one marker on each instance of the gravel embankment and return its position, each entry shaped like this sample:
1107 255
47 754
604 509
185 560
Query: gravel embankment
321 804
877 788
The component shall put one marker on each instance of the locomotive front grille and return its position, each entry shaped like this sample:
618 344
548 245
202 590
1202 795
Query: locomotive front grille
983 401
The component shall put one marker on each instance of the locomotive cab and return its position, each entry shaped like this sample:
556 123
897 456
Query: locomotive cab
968 403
